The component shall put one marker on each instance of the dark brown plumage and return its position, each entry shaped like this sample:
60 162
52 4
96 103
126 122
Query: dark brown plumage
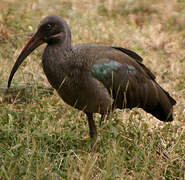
95 78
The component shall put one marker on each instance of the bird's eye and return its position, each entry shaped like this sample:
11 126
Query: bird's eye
48 26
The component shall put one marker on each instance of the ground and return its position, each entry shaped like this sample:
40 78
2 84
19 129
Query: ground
43 138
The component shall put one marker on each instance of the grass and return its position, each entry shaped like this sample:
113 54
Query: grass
43 138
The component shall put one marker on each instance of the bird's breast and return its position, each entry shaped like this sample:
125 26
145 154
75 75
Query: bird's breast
72 78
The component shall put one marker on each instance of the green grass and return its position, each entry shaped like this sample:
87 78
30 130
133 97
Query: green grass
43 138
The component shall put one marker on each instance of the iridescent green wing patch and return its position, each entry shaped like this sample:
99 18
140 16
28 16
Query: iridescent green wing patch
103 72
112 73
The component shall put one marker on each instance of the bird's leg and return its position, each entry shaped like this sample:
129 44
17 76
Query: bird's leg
92 126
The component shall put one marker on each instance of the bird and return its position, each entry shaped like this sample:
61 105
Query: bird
95 78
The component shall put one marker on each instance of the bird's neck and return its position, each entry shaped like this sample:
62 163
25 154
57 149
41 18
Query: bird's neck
61 41
54 60
66 44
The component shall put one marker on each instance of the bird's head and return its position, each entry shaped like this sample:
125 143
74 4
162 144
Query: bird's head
51 30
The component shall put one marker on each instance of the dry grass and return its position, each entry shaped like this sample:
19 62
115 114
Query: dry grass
42 138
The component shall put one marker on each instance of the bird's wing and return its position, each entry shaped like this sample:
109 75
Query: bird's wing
129 82
112 73
124 82
138 59
130 87
119 54
129 53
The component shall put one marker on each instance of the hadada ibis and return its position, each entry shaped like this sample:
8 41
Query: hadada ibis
95 78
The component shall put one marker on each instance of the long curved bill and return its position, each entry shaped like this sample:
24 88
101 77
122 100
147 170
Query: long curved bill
32 44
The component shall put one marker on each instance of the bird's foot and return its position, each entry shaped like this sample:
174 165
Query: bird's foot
94 142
